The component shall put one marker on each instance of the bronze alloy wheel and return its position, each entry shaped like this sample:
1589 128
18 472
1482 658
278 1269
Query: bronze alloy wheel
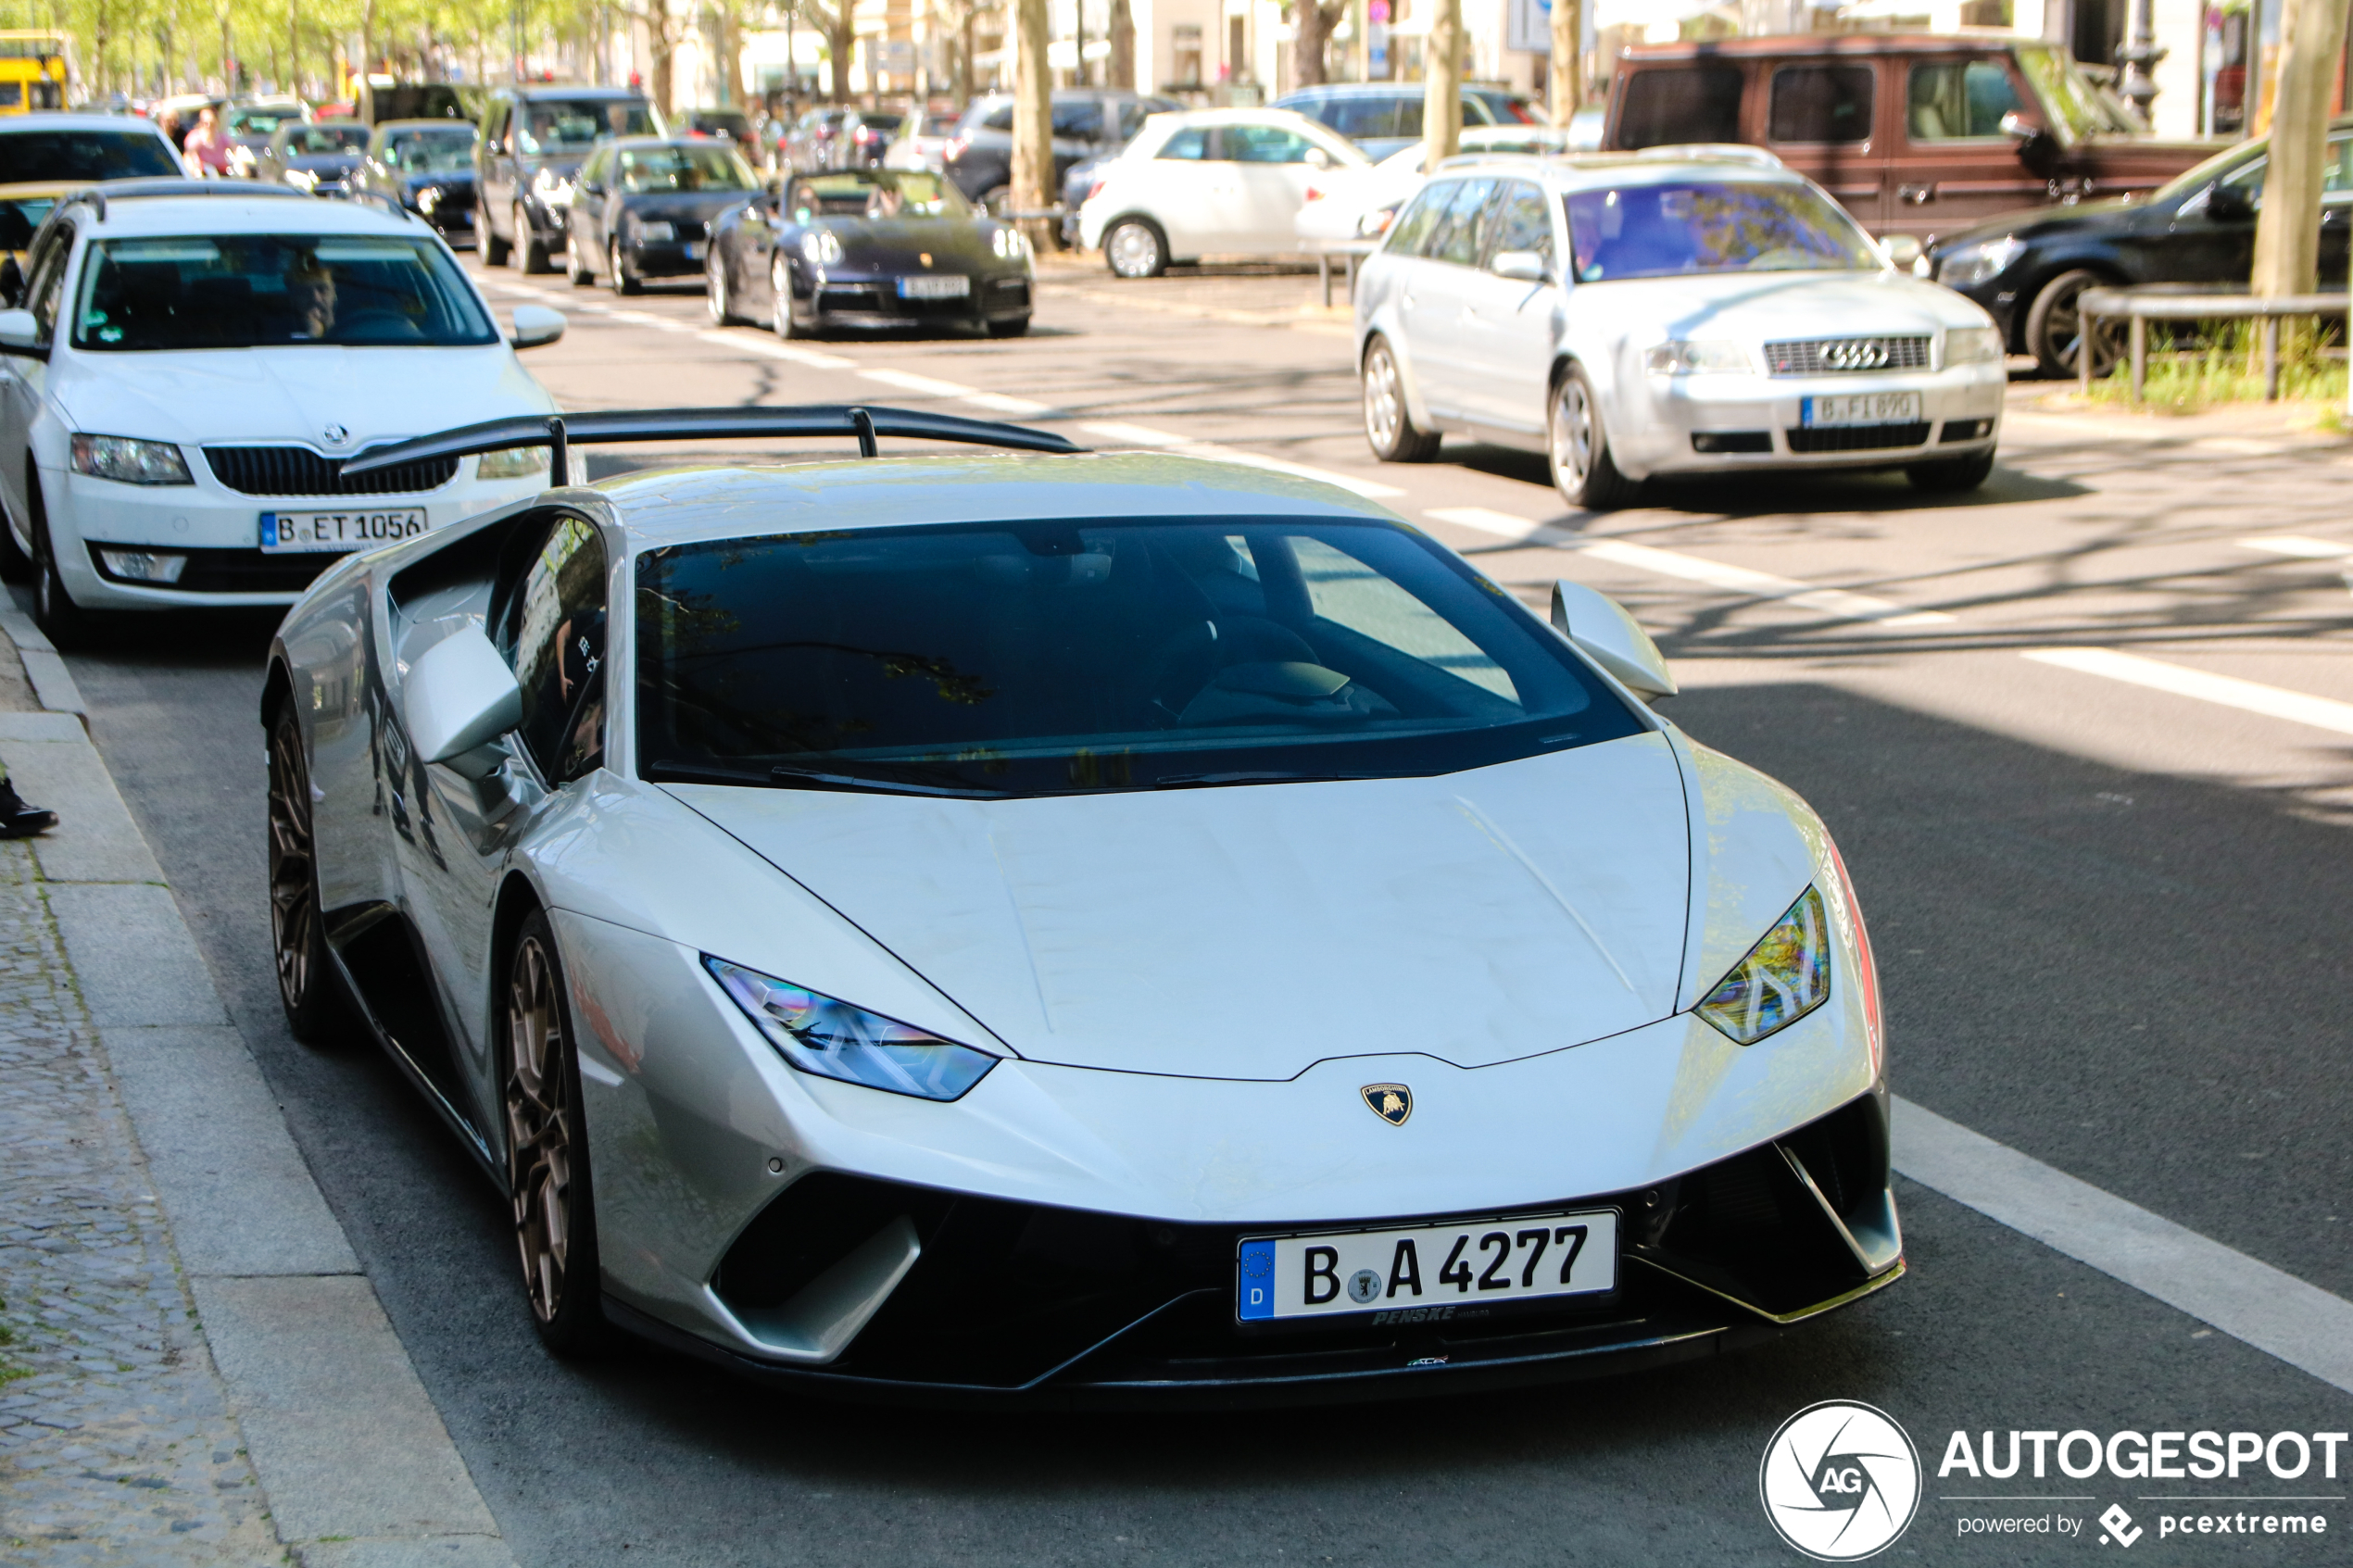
547 1151
305 988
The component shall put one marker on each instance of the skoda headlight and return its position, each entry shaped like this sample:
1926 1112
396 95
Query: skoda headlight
130 460
1964 265
513 462
1784 977
834 1039
1694 358
1972 345
820 248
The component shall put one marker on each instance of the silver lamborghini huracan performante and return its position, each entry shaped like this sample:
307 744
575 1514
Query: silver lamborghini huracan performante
1088 928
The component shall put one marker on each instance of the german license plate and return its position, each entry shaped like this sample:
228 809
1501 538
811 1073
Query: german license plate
954 286
289 533
1426 1272
1861 409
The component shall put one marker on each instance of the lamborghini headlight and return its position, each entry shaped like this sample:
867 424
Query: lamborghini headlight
512 462
834 1039
1784 977
819 247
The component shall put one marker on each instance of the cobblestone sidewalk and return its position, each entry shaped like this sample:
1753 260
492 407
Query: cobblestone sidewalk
117 1446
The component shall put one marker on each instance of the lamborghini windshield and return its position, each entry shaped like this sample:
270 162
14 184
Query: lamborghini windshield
1040 658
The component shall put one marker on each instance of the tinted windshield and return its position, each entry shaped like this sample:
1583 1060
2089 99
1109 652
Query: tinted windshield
546 127
255 291
430 152
704 168
1658 231
324 140
30 157
874 193
1044 659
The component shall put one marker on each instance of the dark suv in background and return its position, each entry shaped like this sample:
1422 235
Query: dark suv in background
533 140
1088 123
1382 117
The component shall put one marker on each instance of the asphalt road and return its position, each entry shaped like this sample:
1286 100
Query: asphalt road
2111 924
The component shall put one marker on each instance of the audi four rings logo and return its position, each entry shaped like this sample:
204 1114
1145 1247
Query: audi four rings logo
1861 355
1840 1481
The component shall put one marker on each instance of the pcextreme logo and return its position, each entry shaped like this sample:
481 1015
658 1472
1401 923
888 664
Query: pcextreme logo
1840 1481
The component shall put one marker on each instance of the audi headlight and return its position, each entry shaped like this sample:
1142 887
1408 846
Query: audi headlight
1972 345
834 1039
1965 265
1695 358
514 462
128 460
1784 977
657 231
820 248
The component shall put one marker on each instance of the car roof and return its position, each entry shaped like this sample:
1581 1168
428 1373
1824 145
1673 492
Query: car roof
423 125
1802 45
30 125
689 505
132 213
554 90
1241 116
1593 170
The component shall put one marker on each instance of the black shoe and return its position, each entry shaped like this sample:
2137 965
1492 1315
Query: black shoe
18 820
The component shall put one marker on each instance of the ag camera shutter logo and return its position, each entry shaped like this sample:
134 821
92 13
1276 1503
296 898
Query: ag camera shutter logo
1840 1481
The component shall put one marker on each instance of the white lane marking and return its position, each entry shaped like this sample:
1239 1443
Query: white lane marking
2247 1298
775 350
1001 403
930 386
644 319
1147 435
1836 602
2301 546
2228 691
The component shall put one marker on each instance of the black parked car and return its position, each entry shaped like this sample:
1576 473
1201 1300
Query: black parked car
868 247
644 208
1088 123
533 140
2028 269
320 157
428 166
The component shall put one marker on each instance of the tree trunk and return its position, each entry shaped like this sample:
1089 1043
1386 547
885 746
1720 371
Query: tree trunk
1442 71
367 46
964 61
1565 89
841 41
1123 46
1311 24
2287 232
1032 176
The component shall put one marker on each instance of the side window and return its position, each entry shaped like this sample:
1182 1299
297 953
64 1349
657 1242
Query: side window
2247 179
1521 221
1409 116
1360 114
1131 119
557 643
1454 237
999 118
1345 591
1266 144
1959 101
1672 104
47 282
1408 234
1822 104
1079 121
2336 178
1192 143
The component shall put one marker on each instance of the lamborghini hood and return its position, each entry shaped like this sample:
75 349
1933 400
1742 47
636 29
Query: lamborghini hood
1249 932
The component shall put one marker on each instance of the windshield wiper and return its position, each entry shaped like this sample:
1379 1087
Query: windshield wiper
783 777
1211 780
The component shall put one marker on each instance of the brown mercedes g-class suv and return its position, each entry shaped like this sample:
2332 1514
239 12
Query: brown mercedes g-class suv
1914 135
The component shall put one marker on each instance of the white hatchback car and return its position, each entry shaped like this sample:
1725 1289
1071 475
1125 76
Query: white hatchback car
1210 183
193 364
1643 315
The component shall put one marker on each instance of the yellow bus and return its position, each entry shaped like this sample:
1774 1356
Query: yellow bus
35 68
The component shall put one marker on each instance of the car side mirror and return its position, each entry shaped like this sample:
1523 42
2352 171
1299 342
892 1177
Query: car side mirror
460 696
19 332
1901 250
535 326
2224 204
1600 626
1521 267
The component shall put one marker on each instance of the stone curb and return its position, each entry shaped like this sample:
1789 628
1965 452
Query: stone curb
357 1468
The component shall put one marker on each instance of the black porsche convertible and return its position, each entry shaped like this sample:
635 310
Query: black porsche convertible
868 247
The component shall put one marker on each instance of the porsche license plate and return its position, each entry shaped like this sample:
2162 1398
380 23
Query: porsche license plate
290 532
1426 1272
955 286
1861 409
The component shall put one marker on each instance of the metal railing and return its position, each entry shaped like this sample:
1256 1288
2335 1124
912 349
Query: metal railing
2174 303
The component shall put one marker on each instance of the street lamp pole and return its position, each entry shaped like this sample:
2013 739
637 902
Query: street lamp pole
2139 58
